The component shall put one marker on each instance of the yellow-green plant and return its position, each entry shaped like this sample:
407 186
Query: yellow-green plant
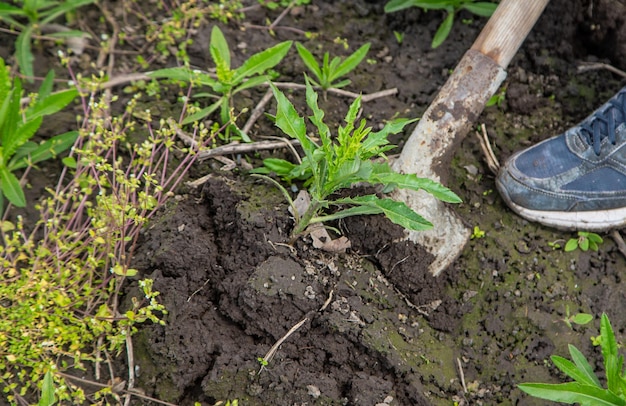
60 282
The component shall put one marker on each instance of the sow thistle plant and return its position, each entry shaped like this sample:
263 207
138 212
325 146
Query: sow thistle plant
344 161
60 278
586 389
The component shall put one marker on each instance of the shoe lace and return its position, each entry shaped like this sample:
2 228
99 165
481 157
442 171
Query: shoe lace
602 124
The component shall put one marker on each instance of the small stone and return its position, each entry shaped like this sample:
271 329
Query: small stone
314 391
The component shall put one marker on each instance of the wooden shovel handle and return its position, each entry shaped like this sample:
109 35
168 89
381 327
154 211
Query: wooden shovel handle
507 28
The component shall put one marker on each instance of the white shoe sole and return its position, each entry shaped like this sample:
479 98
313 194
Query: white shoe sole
600 220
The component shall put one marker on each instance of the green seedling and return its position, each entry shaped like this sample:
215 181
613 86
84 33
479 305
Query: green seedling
497 99
586 389
586 241
477 233
451 7
18 126
228 81
262 361
399 37
343 161
328 73
578 318
29 17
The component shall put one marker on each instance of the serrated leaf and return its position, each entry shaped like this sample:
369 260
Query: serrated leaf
288 120
24 54
397 212
612 360
411 181
20 136
573 392
11 188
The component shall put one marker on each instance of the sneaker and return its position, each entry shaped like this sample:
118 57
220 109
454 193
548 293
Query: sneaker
576 180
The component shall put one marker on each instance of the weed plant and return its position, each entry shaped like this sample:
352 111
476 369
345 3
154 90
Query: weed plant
329 71
29 16
343 162
18 125
60 279
227 81
586 389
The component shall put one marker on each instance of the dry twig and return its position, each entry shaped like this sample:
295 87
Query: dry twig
587 66
270 354
621 246
490 157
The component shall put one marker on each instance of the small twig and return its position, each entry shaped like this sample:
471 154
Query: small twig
131 366
258 111
242 148
458 361
327 302
198 290
587 66
621 246
282 15
490 157
281 27
101 385
270 354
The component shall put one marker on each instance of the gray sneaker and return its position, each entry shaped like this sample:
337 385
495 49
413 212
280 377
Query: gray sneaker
576 180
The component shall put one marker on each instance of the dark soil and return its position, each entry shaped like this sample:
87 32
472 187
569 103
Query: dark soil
379 329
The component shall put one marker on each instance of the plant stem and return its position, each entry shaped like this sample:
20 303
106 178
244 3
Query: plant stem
305 220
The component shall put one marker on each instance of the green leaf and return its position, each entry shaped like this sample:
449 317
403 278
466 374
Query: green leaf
21 134
571 245
262 61
398 5
581 318
252 82
64 7
583 365
309 60
444 29
573 392
397 212
11 188
411 181
349 63
483 9
220 52
7 12
46 150
47 391
202 113
279 166
288 120
51 104
612 360
23 53
349 212
318 117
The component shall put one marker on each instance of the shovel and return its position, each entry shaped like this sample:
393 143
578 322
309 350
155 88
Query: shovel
429 150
